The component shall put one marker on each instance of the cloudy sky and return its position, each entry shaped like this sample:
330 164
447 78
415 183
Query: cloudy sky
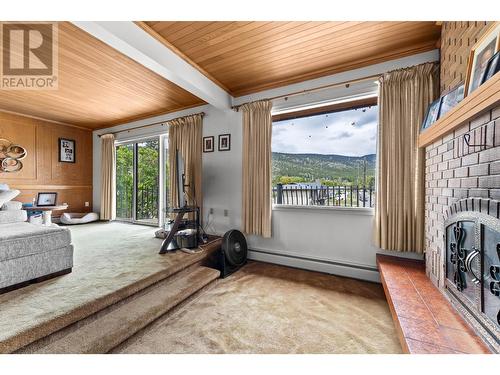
351 133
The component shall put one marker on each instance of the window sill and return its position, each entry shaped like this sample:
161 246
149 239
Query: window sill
344 210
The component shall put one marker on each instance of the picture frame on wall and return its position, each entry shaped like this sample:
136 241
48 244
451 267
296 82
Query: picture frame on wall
224 142
451 99
67 150
479 56
208 144
492 67
432 114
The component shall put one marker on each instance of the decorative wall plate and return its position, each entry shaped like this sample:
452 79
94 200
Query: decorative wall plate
11 165
16 152
11 156
4 146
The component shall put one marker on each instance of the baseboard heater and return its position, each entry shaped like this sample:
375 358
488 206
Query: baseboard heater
356 271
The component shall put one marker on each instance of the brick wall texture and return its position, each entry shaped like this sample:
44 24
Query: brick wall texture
457 38
454 171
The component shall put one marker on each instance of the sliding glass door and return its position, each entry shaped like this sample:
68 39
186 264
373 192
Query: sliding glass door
148 180
138 181
125 182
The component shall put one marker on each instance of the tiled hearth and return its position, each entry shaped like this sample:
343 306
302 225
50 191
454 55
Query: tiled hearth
463 166
425 321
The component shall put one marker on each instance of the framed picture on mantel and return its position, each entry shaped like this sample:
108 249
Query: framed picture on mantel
480 55
451 99
432 114
492 68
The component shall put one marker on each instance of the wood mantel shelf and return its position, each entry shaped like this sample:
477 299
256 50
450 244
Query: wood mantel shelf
482 99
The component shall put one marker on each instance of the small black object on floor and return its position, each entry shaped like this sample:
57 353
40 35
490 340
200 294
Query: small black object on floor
233 253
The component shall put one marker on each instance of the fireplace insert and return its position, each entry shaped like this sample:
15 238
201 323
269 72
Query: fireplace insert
472 267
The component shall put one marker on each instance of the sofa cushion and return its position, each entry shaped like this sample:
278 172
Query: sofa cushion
12 205
12 216
24 239
7 195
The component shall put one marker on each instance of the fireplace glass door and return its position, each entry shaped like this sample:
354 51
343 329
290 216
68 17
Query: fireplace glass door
473 268
491 274
463 247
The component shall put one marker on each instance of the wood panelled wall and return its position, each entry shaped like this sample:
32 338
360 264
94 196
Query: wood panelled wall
42 170
457 38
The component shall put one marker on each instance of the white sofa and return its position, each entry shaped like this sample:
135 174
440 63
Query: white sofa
29 252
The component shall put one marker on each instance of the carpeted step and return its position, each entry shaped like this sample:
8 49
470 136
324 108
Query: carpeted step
113 327
48 320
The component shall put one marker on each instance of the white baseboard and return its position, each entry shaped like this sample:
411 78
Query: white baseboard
360 272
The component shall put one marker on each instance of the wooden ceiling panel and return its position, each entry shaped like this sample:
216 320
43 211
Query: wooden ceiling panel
297 45
202 46
309 46
310 54
246 57
98 86
356 61
247 39
286 39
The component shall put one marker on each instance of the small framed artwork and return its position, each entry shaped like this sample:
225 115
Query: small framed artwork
67 150
480 54
432 114
492 67
224 142
46 199
451 99
208 144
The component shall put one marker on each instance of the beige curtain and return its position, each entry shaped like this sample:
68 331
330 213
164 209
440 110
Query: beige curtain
399 212
257 129
108 181
185 134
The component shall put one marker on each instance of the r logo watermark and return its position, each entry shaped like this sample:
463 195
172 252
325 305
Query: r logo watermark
29 58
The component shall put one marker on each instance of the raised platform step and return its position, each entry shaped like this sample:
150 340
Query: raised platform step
425 320
117 323
25 338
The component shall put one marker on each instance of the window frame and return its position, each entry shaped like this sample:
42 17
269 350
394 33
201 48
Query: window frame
329 108
321 110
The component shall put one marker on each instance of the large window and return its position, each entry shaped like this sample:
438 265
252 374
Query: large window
326 156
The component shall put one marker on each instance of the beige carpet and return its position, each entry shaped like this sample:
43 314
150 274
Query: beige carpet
266 308
111 261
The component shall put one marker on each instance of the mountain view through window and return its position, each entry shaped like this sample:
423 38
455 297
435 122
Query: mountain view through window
326 159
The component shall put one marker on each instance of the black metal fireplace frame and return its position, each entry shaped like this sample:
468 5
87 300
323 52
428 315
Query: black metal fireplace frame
482 212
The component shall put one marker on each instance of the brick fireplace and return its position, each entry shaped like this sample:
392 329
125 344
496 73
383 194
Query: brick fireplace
454 171
462 168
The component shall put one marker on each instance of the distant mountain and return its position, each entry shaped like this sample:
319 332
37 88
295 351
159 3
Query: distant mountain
317 166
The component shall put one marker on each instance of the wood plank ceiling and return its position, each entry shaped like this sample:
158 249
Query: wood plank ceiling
98 87
246 57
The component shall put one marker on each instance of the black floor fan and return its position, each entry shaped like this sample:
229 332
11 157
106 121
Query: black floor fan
233 254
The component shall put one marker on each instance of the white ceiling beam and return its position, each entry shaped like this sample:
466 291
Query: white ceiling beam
131 40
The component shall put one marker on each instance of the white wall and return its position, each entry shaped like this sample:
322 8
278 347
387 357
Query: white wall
335 241
330 240
222 171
